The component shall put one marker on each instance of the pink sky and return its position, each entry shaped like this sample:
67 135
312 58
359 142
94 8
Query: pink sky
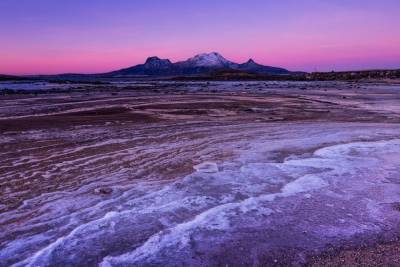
48 37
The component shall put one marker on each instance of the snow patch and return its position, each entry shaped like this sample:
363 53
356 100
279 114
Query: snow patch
206 167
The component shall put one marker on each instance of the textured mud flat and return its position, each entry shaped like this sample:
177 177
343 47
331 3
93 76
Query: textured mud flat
201 174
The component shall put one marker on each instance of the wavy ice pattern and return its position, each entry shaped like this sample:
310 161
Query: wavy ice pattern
248 203
326 167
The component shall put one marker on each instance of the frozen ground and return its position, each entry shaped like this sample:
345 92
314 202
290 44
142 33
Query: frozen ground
227 174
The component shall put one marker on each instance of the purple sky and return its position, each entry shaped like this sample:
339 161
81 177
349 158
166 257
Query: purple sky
58 36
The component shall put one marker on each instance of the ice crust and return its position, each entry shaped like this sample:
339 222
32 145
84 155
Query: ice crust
157 223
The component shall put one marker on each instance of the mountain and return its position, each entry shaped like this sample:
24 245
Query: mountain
199 64
152 66
253 67
157 63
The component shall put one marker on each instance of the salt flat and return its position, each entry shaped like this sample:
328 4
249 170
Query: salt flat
198 173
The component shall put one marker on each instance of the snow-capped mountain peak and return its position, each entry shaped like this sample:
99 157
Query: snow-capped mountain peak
212 59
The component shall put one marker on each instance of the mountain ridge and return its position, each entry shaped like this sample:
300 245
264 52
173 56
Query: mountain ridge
199 64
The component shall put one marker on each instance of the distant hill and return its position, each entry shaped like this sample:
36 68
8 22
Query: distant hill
365 75
199 64
10 78
354 75
239 75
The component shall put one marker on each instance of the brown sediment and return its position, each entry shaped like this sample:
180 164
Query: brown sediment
288 104
70 119
379 254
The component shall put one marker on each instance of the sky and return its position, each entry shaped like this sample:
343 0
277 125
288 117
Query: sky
91 36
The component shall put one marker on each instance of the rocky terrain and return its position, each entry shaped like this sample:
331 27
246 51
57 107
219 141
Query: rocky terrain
163 173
